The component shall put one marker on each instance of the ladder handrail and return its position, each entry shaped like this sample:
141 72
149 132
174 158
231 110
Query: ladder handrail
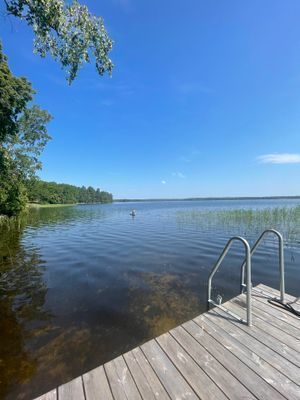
248 274
280 256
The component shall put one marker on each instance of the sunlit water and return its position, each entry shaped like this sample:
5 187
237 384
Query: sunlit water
81 285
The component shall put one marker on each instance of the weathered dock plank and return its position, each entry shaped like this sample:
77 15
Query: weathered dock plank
213 356
52 395
264 352
157 388
274 332
273 377
140 379
171 378
228 383
253 382
268 335
275 293
72 390
267 315
279 313
201 383
121 381
96 385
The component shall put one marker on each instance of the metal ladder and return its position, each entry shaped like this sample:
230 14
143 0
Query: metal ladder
281 262
246 285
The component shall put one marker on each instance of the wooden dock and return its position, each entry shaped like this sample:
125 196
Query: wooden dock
212 356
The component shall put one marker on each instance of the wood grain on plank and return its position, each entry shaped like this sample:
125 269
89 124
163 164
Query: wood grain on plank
72 390
252 381
268 336
240 333
52 395
273 331
96 385
275 292
272 376
277 312
158 389
121 381
168 374
270 319
202 384
138 376
215 370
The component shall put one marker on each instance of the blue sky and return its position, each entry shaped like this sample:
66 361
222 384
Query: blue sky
204 100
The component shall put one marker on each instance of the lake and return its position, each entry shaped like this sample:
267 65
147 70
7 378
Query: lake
81 285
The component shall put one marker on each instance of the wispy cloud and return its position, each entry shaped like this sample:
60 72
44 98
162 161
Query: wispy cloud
191 156
185 159
279 158
178 174
163 182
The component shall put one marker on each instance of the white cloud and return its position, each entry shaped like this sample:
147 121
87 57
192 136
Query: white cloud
178 175
163 182
279 158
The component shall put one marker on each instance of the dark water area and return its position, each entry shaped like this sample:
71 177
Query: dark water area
81 285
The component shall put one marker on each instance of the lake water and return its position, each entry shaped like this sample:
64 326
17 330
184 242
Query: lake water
81 285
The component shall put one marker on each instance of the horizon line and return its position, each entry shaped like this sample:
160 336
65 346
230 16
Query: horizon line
208 198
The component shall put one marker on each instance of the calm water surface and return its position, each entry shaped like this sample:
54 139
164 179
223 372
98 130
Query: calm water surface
81 285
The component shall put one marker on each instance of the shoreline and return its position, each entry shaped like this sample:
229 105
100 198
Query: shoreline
210 198
54 205
37 205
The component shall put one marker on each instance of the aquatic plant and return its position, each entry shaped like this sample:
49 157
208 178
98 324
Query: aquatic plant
242 221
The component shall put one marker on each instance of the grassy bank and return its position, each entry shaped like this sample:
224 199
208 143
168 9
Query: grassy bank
36 205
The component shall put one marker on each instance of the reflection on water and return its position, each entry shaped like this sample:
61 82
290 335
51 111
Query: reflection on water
22 297
81 285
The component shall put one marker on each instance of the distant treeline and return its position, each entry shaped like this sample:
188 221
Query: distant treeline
61 193
209 198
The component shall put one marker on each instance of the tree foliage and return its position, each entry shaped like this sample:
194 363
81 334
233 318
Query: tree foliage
23 136
72 36
60 193
69 32
15 94
26 148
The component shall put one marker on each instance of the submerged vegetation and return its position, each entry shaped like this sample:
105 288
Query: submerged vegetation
163 302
